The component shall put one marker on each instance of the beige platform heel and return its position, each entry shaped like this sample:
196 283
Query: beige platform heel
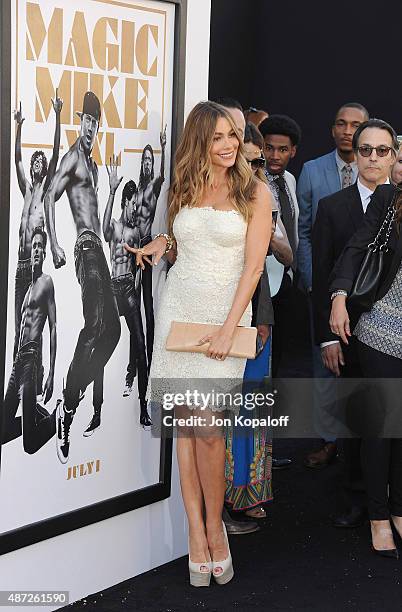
223 571
200 573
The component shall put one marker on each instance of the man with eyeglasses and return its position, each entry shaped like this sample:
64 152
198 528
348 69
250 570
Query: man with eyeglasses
338 217
321 177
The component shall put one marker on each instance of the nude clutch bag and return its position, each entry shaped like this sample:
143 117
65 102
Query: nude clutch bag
183 337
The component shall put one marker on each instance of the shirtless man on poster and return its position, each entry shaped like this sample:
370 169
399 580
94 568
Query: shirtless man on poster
32 213
149 189
37 425
78 177
118 233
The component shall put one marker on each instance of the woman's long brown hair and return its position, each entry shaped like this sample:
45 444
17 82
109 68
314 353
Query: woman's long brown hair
193 171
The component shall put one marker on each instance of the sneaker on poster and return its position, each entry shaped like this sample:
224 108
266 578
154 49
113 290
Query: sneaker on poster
63 425
93 425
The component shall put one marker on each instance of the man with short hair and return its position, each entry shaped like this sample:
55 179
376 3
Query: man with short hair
236 111
339 216
325 175
78 177
319 178
149 188
118 233
281 138
33 192
36 425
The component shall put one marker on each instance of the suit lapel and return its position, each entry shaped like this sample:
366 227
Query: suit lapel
332 175
290 185
355 206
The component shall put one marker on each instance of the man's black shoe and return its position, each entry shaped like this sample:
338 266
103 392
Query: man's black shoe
145 419
349 520
281 464
94 424
238 527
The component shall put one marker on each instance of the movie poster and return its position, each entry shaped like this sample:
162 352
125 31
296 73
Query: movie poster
91 133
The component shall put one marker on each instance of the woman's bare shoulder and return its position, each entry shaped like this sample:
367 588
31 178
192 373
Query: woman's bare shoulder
262 195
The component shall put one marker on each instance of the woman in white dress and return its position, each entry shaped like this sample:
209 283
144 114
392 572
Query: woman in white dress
220 225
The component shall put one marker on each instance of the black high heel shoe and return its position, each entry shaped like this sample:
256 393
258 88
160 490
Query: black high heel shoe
390 553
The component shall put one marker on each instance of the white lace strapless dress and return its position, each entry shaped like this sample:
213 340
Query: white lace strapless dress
200 288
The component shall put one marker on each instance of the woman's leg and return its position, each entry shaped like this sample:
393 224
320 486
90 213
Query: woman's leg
376 452
395 482
210 454
191 489
375 457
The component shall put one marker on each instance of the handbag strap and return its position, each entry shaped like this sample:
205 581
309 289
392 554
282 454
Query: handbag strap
386 225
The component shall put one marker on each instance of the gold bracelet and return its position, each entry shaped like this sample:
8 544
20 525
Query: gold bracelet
169 241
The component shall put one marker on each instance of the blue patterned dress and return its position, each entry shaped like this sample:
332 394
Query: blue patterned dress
249 451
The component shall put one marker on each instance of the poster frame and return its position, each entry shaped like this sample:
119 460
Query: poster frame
107 508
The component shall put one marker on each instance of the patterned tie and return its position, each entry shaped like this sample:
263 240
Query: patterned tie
347 176
287 215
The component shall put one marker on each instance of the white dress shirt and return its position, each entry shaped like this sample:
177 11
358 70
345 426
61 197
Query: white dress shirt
365 194
341 164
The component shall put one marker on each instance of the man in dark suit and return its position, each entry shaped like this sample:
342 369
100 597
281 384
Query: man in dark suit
339 216
319 178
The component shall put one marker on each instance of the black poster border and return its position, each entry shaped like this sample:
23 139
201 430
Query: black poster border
69 521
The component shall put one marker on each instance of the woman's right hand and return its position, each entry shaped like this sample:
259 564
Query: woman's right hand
154 250
339 319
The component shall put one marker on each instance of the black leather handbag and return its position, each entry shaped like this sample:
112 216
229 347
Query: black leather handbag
364 290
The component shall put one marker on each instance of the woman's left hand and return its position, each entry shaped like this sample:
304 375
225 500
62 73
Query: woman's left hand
220 343
154 249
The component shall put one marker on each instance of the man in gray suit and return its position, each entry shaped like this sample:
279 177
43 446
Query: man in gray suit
319 178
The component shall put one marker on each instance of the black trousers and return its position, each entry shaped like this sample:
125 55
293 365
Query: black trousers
128 304
352 487
381 457
283 304
146 281
101 332
37 425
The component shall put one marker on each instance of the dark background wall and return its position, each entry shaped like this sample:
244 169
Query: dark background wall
306 58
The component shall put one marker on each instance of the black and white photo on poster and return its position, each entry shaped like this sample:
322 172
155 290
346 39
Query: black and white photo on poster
98 102
36 424
34 302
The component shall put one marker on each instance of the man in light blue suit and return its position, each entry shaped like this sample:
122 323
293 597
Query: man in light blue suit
319 178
